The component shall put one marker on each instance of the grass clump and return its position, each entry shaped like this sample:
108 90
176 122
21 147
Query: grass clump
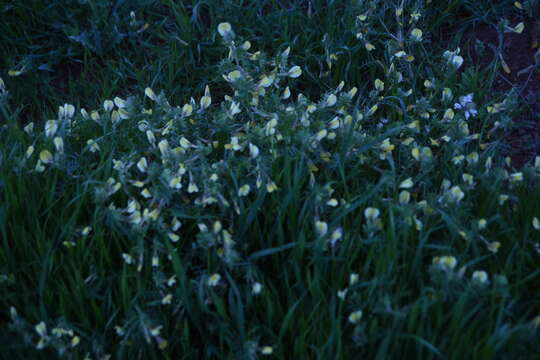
269 214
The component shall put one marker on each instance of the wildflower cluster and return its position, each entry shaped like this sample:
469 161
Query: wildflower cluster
189 179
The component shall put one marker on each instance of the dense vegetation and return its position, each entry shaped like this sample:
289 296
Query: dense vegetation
278 179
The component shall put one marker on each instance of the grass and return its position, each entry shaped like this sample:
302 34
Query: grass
88 270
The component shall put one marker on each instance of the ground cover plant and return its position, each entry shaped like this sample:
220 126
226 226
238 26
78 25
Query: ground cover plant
272 179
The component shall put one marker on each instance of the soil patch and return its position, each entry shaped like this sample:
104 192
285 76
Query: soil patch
481 44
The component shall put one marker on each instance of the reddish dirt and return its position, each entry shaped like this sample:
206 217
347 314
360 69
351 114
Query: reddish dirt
523 143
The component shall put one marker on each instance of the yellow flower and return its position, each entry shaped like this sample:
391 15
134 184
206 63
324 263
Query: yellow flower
480 277
330 100
355 316
404 197
271 187
321 228
185 143
41 329
108 105
75 341
187 110
379 85
415 152
516 177
406 184
193 188
151 137
416 34
206 99
173 237
246 45
119 102
321 135
14 72
493 246
46 157
86 231
371 214
233 76
29 151
176 182
448 115
146 193
167 299
332 202
294 71
536 223
448 262
244 190
267 350
150 93
286 93
253 151
372 110
29 129
224 29
256 288
51 126
213 280
456 194
482 223
387 145
468 179
142 165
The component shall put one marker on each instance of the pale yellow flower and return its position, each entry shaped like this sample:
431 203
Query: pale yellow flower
224 29
244 190
355 316
480 277
213 280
